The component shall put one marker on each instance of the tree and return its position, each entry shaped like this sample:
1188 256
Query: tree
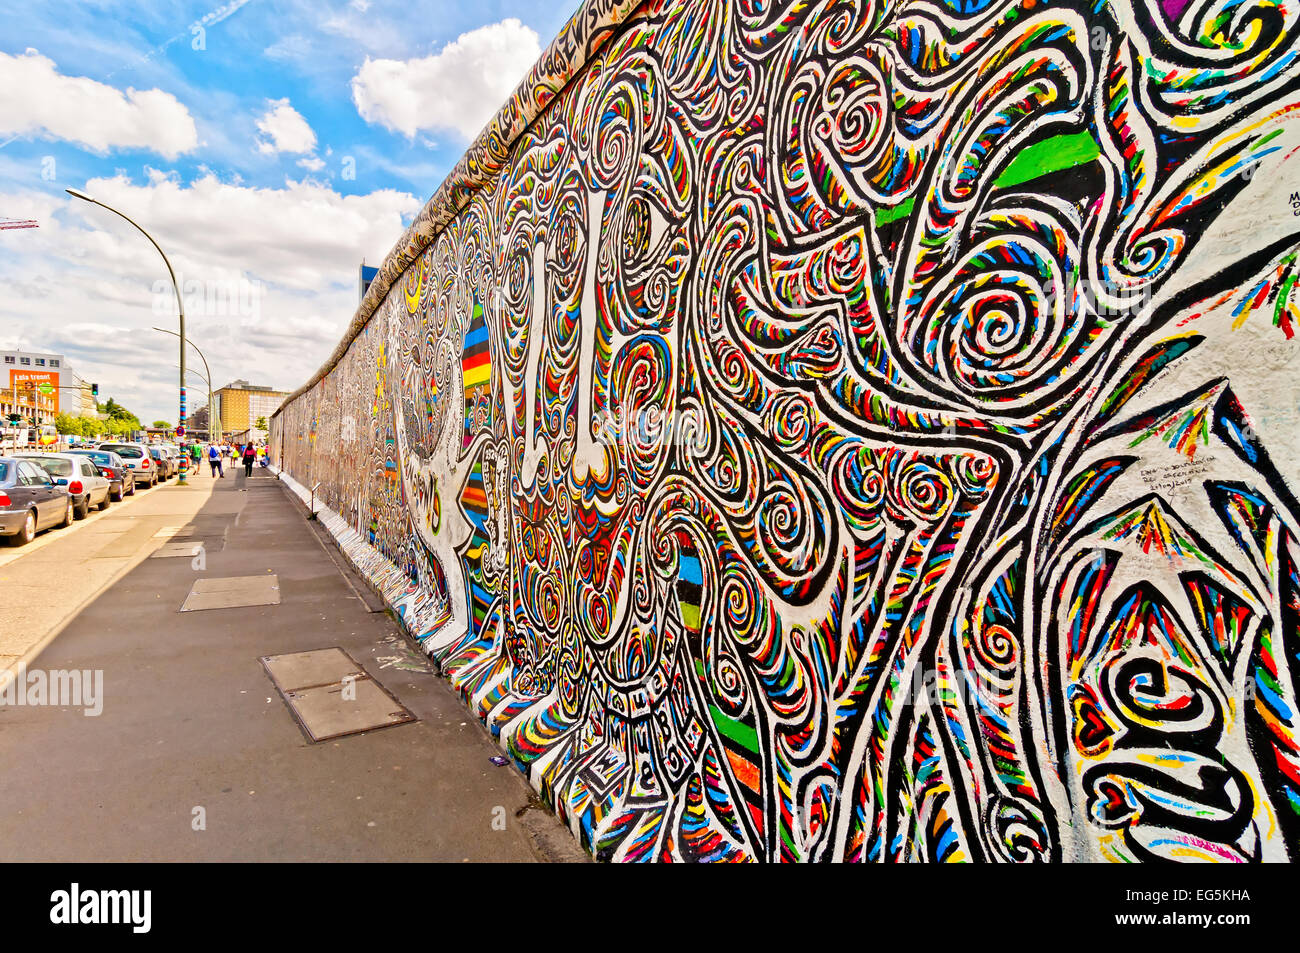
162 425
67 424
261 424
120 420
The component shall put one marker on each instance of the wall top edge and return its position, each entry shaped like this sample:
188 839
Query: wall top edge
582 36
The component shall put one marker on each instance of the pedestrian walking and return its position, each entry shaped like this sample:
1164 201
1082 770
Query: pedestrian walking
250 457
214 461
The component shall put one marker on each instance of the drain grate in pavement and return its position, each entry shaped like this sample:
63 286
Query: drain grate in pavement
177 549
232 592
330 695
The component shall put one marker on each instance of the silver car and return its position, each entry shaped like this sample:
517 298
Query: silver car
137 458
86 485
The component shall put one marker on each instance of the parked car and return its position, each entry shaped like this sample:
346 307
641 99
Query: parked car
166 463
138 459
30 501
79 474
121 478
177 455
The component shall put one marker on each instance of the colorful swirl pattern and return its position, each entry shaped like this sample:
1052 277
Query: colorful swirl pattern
792 430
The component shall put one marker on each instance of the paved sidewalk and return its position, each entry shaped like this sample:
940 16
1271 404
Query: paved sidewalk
190 720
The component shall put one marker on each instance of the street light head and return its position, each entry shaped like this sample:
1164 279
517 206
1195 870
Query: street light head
78 194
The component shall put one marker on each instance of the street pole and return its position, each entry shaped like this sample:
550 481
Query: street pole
206 380
180 304
211 410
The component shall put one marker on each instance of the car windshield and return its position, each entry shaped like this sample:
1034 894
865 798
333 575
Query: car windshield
4 470
55 466
100 458
133 452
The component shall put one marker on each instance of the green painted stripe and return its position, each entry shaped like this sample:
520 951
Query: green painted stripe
893 213
742 735
1051 155
690 615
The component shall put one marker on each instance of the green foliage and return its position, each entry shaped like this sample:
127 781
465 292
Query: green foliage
162 425
71 426
120 421
261 424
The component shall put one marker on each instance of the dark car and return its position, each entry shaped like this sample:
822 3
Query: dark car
164 461
30 501
121 478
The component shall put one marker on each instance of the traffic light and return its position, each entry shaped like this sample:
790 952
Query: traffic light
94 390
15 418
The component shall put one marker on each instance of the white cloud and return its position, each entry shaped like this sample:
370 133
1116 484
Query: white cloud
287 129
458 88
269 276
36 99
312 163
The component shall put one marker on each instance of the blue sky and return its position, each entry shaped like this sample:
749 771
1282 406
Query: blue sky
269 146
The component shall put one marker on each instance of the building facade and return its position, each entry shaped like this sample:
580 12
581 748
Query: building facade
240 404
41 385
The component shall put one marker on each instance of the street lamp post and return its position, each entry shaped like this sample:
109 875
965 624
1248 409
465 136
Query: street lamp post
180 303
208 378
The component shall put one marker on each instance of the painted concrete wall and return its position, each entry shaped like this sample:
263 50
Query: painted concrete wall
859 431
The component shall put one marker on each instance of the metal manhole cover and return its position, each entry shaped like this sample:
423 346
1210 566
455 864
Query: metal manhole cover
325 713
310 669
335 697
232 592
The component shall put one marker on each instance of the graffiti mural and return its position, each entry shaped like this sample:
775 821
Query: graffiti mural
859 431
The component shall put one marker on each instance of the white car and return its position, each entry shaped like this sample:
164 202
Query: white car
86 486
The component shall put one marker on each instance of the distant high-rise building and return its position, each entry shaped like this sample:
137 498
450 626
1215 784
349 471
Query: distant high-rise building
240 403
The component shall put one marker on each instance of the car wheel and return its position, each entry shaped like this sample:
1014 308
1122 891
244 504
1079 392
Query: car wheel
131 492
119 496
103 504
67 514
83 510
28 532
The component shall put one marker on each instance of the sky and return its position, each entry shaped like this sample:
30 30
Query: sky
269 146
